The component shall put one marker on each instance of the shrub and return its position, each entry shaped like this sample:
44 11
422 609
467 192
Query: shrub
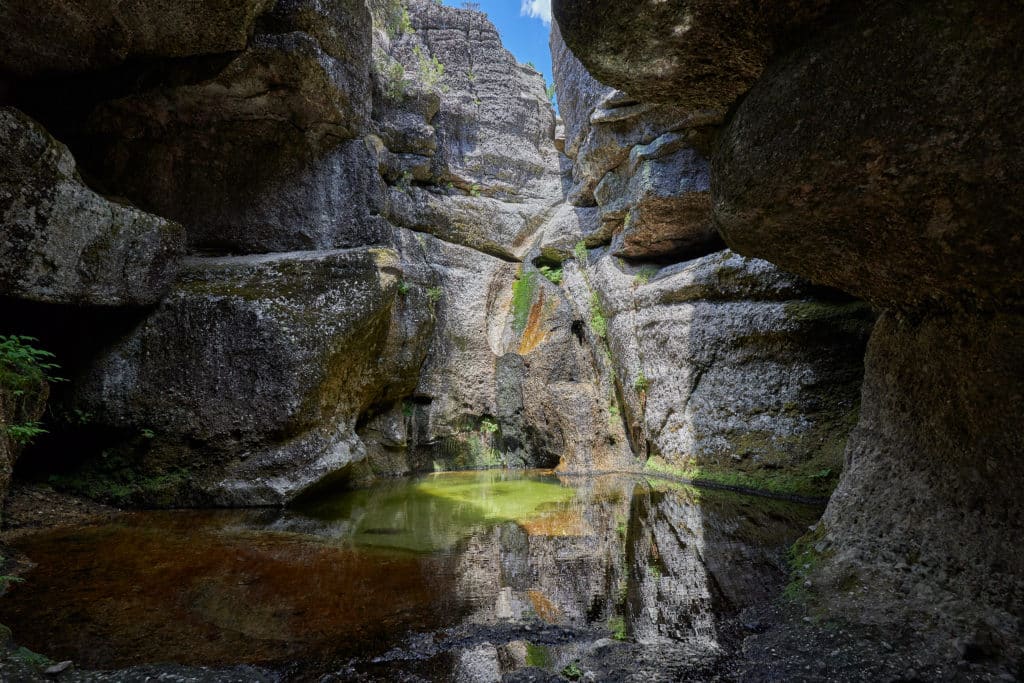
431 70
641 383
435 294
24 368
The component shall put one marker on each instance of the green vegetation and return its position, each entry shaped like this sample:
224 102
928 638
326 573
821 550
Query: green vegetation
434 294
645 275
23 367
552 274
522 298
538 656
470 75
597 320
393 17
6 580
474 190
572 671
550 92
33 659
641 384
403 287
404 182
488 426
431 70
796 480
580 252
617 625
24 370
121 478
803 560
23 434
393 75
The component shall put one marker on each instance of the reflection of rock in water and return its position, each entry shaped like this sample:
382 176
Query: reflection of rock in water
562 567
696 555
670 598
463 574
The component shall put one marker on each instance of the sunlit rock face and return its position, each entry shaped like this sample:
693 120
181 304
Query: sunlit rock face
723 365
876 153
311 140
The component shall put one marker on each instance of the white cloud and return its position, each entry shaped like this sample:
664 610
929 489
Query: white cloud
539 9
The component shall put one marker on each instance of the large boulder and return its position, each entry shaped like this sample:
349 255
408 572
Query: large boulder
903 188
698 53
39 38
247 382
61 242
924 526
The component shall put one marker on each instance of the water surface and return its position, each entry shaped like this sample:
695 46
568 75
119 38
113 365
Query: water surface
421 574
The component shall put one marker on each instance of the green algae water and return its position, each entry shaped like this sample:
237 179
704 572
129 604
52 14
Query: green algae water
500 569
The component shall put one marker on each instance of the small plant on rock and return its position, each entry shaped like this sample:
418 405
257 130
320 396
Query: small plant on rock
645 275
552 274
580 252
403 287
435 294
572 671
641 383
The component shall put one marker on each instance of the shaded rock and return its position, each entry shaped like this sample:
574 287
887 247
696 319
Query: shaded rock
41 38
249 378
700 54
259 156
917 530
900 189
63 243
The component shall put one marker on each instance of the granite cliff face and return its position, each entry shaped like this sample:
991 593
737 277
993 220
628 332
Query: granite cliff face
875 153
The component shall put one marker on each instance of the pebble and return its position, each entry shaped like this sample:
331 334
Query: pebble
58 668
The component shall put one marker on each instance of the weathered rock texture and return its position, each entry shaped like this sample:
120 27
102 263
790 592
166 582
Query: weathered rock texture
723 367
878 154
698 53
62 242
249 378
729 368
903 193
41 38
362 189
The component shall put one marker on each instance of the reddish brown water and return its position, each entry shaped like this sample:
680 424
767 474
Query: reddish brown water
367 573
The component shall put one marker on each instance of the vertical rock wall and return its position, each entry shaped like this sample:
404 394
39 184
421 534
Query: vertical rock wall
878 153
726 368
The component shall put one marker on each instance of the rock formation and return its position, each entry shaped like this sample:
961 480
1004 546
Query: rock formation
726 367
877 153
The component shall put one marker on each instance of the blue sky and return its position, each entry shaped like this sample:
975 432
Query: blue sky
524 26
